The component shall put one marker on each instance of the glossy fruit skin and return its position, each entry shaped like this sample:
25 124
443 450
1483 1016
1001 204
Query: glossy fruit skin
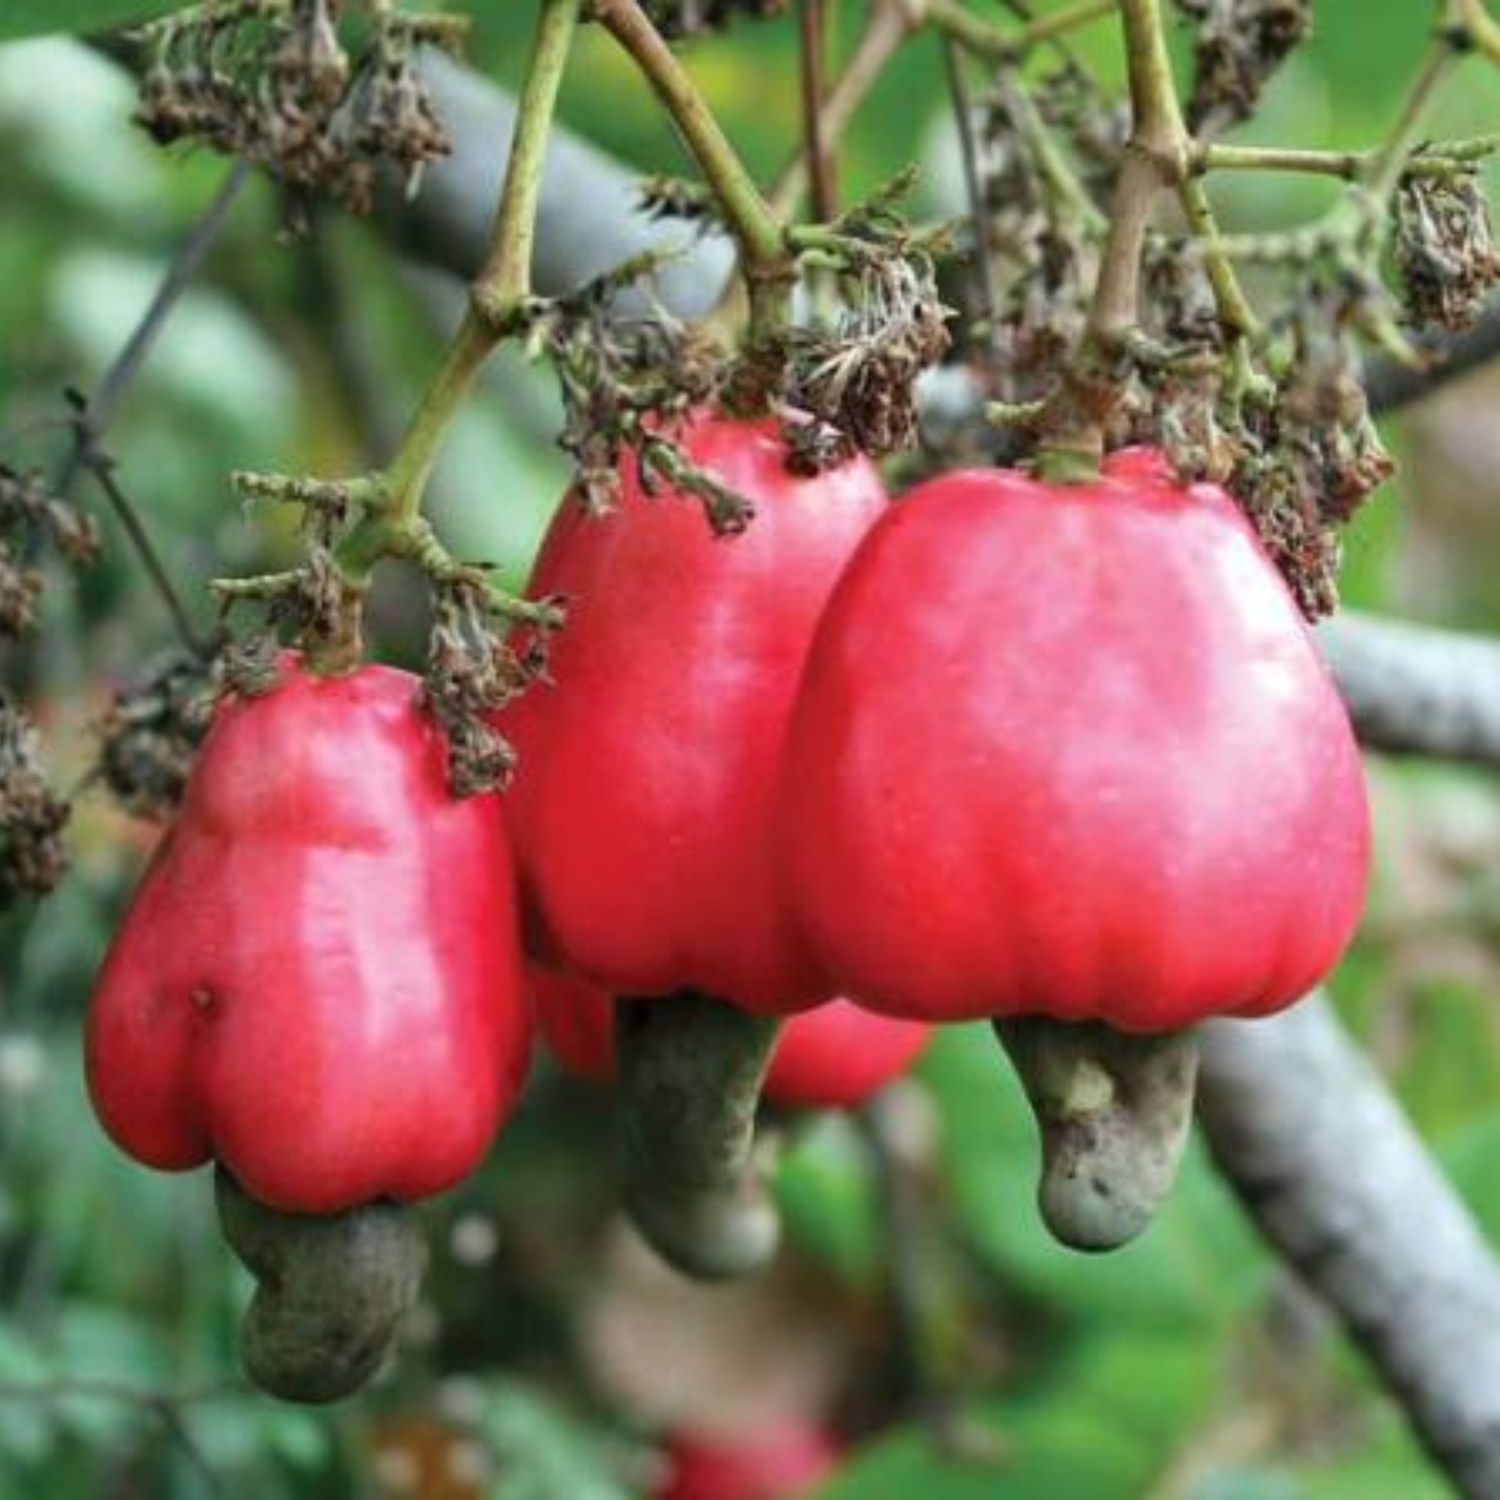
1070 751
641 806
318 981
779 1465
834 1056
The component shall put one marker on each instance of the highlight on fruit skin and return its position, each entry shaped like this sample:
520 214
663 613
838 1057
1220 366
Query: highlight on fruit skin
834 1056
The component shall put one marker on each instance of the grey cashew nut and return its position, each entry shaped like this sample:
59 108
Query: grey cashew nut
330 1294
1114 1111
691 1069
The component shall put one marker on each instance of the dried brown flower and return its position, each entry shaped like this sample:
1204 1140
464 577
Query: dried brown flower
1444 249
683 18
33 859
1240 44
151 732
272 81
480 656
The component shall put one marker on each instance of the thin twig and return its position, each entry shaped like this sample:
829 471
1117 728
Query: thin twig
99 411
1001 45
94 414
979 237
1436 160
890 23
102 468
818 150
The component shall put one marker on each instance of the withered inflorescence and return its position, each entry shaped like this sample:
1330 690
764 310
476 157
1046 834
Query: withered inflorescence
272 81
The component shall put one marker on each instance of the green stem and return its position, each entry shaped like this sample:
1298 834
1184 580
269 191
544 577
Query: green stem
407 474
1472 23
768 266
999 44
1358 220
1158 155
1383 173
1234 309
1154 158
504 281
497 297
1351 166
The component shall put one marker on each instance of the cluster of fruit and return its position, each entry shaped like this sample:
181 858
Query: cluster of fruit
998 749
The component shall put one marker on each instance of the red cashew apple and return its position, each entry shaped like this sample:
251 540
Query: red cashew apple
777 1465
1069 751
831 1057
641 806
318 981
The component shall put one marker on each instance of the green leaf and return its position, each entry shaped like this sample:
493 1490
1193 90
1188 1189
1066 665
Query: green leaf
827 1198
27 1428
1076 1457
543 1451
1471 1157
1103 1423
41 17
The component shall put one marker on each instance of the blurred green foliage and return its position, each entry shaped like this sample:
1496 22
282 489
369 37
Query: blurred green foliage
1186 1368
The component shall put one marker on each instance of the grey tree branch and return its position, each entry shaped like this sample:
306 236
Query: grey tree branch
1391 384
1339 1182
589 219
1414 689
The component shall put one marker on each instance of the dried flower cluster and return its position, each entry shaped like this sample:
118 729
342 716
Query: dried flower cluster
857 380
483 650
1042 249
149 735
683 18
484 646
32 817
1445 248
29 517
628 378
1239 45
1281 420
843 384
1300 452
271 80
